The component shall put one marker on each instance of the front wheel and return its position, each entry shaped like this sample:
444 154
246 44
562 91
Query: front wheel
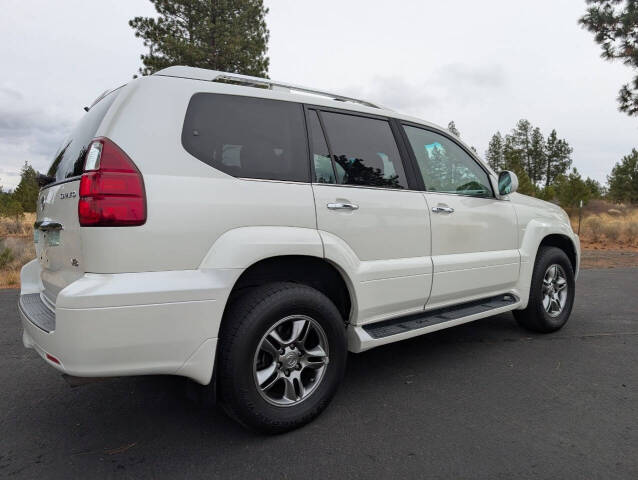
282 356
551 295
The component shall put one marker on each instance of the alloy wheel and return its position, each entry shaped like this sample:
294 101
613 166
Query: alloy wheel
291 360
554 290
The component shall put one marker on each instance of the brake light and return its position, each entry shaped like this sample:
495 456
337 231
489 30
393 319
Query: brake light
111 189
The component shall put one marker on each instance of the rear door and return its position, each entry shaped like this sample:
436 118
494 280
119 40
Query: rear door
474 235
57 234
368 213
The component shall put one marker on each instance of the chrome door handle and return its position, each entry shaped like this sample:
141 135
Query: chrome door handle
442 209
342 206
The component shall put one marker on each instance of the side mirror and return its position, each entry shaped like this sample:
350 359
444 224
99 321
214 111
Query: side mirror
507 182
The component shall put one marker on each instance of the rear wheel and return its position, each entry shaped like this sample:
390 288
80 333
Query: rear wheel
551 292
282 356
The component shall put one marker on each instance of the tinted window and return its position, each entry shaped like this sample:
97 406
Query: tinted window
445 166
247 137
69 159
364 151
324 168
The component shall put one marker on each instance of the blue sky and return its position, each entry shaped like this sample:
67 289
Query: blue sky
482 64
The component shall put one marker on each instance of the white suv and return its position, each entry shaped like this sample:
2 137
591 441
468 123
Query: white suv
247 234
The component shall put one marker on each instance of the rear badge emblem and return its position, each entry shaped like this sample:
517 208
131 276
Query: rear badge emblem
75 262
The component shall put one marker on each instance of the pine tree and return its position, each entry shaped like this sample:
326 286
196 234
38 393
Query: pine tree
494 153
537 156
513 161
525 185
596 190
453 130
226 35
511 154
616 30
522 140
623 180
571 189
26 193
557 158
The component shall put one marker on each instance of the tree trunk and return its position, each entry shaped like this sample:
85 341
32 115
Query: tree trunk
213 55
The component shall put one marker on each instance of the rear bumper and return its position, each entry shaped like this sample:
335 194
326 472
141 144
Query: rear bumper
132 323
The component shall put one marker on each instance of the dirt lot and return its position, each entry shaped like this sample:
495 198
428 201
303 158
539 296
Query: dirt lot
609 258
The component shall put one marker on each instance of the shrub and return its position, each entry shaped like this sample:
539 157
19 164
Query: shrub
612 230
24 251
631 231
12 209
12 278
593 227
6 256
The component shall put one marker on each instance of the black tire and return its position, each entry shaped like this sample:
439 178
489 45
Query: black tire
246 322
535 317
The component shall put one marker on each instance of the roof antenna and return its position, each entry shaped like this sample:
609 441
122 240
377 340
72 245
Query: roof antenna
86 109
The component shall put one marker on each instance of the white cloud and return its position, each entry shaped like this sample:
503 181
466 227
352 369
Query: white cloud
393 92
28 133
445 86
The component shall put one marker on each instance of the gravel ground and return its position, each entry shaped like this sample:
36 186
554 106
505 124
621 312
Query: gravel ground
608 258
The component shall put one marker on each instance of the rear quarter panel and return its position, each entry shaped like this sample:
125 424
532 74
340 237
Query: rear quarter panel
190 204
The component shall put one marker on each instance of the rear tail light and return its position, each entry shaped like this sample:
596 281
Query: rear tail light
111 189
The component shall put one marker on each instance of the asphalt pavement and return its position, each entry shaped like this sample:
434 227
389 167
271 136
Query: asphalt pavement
483 400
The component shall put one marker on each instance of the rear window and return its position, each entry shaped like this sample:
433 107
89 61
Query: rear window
364 151
247 137
69 159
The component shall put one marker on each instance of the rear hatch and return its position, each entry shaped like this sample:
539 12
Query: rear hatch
57 230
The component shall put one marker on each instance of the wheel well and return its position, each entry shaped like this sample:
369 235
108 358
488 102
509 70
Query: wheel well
564 243
312 271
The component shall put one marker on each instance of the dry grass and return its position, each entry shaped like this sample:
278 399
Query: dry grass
21 251
16 248
631 231
614 229
9 227
10 278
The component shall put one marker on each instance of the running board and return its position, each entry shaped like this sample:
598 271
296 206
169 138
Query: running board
365 337
395 326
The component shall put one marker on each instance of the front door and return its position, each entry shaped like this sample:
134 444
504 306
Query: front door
474 234
370 221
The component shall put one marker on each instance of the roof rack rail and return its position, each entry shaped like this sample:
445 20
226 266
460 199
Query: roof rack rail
273 85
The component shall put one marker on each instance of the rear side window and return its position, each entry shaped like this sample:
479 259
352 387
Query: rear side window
247 137
69 159
364 151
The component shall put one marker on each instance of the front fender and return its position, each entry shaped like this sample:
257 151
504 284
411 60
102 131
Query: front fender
532 235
